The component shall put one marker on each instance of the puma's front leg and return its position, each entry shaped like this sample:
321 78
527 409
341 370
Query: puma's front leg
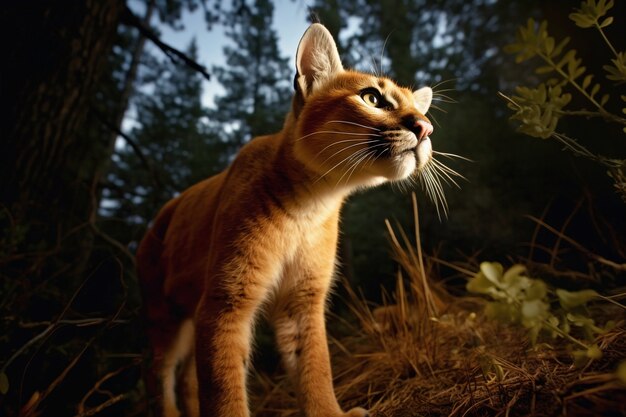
299 322
222 349
224 321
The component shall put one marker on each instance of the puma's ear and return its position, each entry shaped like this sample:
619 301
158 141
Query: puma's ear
317 59
423 97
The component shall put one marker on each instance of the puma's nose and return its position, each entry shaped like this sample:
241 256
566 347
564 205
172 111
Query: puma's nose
422 129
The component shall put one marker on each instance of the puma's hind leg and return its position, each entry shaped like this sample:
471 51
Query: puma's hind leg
189 387
171 346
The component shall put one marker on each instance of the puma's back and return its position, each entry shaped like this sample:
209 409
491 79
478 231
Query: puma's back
263 235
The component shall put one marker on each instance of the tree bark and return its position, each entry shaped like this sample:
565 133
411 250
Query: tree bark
54 56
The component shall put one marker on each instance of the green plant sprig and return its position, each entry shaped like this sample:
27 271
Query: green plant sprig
518 298
539 118
589 15
533 40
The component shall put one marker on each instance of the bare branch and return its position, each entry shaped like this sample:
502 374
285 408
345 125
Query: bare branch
130 19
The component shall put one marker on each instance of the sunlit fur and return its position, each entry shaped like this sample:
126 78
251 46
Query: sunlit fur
262 236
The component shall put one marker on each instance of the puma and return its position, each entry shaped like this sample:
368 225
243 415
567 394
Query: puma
261 236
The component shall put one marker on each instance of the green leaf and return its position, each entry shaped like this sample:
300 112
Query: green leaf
581 20
507 313
549 45
595 90
560 46
513 273
492 270
594 352
580 71
479 284
604 99
586 323
534 310
609 325
606 22
569 55
537 290
544 70
572 299
499 371
587 81
580 358
4 383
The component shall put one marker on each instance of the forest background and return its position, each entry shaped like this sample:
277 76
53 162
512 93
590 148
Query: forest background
102 123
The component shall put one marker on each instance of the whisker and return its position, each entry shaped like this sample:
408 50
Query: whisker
451 155
432 185
353 166
444 176
373 65
336 132
348 147
344 141
445 90
348 158
432 116
444 98
382 53
443 82
370 158
440 195
444 167
352 123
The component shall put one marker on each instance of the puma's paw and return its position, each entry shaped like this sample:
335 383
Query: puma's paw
357 412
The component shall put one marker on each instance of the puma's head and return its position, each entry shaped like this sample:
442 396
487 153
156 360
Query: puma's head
354 128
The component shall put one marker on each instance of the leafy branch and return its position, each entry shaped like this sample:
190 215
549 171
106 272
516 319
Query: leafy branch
539 109
589 15
533 40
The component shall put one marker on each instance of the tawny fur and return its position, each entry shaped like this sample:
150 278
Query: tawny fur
263 233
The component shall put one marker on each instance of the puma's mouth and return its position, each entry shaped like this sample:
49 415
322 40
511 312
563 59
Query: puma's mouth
423 152
395 143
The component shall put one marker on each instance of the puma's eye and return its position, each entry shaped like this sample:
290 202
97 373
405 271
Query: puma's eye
371 98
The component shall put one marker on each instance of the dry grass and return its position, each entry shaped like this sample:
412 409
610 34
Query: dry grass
427 353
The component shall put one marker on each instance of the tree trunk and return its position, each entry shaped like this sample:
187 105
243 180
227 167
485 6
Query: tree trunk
54 55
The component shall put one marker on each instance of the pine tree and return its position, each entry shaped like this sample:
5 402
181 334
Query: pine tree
256 78
172 148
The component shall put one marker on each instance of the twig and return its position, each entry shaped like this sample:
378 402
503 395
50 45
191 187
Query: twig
561 233
96 230
598 258
606 40
33 408
82 410
107 403
76 322
52 326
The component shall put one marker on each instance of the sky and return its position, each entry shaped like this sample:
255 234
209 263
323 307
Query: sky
289 22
